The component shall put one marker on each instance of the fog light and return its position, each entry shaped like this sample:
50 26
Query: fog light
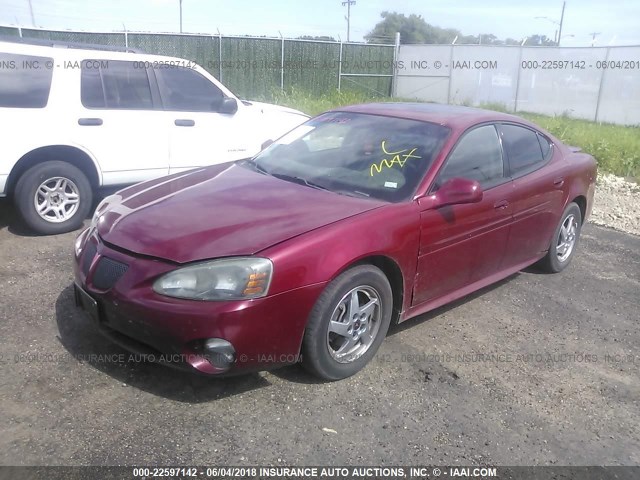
220 353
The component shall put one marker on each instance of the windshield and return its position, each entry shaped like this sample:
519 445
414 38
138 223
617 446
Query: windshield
356 154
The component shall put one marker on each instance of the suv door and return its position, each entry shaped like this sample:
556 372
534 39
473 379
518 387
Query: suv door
462 244
199 134
118 121
537 196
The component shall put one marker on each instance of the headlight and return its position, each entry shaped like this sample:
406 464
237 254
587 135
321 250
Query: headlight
239 278
102 207
80 241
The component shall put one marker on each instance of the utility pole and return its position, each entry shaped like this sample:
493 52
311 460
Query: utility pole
180 16
564 4
593 37
33 19
348 3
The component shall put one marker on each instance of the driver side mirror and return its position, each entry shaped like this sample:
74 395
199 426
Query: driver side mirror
457 191
228 105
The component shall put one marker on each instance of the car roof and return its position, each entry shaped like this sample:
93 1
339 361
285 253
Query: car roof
453 116
75 50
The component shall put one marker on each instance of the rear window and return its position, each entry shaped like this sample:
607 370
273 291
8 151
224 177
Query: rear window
545 146
116 85
523 148
25 80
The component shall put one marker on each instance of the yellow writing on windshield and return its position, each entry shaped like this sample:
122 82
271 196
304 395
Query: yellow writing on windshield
397 158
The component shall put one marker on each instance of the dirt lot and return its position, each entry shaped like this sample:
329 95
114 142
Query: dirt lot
538 369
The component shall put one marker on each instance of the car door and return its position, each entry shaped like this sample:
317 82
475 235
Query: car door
199 134
537 195
461 244
118 121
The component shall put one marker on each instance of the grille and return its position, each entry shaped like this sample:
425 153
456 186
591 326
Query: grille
108 272
89 253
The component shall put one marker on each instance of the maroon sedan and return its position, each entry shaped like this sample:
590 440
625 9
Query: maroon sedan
362 216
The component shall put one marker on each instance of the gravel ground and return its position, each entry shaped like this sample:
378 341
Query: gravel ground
617 204
535 370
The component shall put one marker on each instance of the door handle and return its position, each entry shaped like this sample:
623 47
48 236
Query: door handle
89 122
558 182
501 205
184 122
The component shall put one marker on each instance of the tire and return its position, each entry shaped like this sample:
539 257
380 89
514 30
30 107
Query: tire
331 355
562 248
61 189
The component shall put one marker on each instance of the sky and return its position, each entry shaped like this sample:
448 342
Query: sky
615 22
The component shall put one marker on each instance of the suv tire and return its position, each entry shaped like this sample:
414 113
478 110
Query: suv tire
53 197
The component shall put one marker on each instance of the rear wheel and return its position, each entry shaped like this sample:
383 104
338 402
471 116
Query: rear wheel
348 323
565 240
53 197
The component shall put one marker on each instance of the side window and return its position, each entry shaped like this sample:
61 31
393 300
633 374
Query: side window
545 146
118 85
184 89
523 148
25 81
477 156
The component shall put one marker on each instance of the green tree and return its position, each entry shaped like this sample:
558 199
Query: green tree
413 29
540 40
321 37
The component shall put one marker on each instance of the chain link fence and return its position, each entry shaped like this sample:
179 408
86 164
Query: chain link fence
597 83
254 66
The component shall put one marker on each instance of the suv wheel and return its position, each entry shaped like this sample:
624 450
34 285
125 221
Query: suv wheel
53 197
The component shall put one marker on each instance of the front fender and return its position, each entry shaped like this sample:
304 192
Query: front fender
318 256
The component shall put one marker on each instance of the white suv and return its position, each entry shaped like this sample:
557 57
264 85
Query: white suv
75 118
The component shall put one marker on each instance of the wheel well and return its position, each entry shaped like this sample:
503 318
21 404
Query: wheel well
581 201
394 275
64 153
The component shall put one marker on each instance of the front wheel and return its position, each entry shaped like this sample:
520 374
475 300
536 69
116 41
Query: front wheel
348 323
565 240
53 197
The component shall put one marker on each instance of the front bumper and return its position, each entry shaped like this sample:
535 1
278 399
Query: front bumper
264 332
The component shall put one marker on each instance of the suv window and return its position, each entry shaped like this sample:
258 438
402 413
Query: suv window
184 89
117 85
477 156
25 81
523 148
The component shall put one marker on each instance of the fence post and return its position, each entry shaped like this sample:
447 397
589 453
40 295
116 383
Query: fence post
450 74
126 40
340 67
281 62
394 79
606 59
519 66
219 56
20 32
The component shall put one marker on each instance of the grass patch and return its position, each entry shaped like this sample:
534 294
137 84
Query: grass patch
616 148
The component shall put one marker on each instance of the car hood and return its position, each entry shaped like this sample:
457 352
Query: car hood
269 108
216 212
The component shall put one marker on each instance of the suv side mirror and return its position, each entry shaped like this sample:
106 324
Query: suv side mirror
228 105
458 190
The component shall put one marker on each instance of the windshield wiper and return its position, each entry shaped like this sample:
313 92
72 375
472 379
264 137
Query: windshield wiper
300 180
353 193
256 166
